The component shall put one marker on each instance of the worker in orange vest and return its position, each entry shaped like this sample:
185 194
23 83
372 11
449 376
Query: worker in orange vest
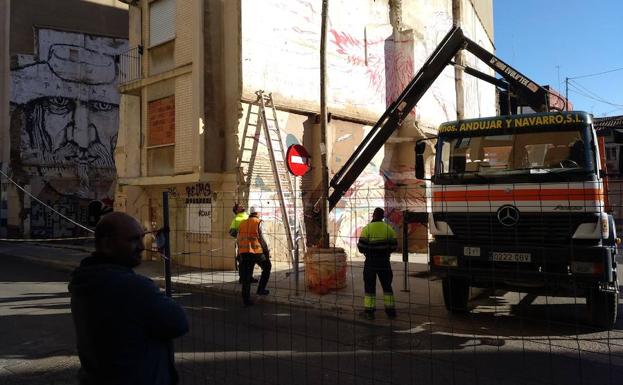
253 250
240 215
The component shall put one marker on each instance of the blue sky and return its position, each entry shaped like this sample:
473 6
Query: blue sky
553 39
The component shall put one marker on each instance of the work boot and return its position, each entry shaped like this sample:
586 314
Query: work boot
367 314
391 312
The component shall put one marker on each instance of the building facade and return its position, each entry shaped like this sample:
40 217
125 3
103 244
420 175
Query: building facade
195 68
610 132
60 109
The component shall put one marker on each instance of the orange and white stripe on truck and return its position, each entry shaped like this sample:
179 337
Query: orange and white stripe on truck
527 197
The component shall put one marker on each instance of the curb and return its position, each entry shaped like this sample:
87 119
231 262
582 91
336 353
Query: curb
65 266
291 300
66 247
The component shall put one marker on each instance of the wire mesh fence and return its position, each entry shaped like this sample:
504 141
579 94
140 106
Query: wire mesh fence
530 289
478 301
32 216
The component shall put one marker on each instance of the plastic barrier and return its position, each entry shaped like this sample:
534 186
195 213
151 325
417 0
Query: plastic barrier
325 269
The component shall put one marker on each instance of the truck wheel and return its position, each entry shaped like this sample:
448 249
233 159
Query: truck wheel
455 294
602 308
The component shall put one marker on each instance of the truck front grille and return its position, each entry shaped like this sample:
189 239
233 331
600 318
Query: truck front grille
531 229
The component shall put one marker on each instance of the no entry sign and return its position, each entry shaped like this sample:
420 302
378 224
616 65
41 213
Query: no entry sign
298 160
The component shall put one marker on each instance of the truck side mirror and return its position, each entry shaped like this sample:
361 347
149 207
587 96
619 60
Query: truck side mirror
420 147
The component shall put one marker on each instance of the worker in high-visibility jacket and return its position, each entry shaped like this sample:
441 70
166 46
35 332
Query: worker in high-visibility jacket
240 215
377 242
253 249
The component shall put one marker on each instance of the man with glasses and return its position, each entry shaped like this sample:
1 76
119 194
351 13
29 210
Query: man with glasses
124 324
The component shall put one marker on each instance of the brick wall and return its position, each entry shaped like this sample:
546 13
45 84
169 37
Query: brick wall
184 134
161 121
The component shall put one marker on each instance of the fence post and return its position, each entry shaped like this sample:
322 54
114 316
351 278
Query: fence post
167 244
296 241
27 205
405 249
3 206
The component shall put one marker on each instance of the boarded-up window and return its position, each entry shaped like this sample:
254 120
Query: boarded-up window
161 21
199 215
161 118
161 161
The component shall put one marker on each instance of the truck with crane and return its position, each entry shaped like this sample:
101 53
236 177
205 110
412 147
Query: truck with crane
517 201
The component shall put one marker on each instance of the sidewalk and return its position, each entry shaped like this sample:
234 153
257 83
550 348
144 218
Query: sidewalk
423 297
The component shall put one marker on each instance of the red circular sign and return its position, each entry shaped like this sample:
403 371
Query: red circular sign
298 160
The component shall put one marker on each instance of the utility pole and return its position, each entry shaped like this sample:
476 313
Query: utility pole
567 93
323 127
459 59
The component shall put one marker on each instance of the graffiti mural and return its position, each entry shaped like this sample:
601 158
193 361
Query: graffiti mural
46 224
356 64
64 122
65 109
368 61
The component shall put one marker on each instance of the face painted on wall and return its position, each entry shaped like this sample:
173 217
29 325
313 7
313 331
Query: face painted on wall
71 133
70 107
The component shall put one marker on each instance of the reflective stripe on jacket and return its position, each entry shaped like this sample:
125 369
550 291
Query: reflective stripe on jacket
249 236
377 238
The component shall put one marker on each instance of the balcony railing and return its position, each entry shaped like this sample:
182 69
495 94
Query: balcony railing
130 65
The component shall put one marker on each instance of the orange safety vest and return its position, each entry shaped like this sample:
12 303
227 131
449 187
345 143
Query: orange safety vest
249 236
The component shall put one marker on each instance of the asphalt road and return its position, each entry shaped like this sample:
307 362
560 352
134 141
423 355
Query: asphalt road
36 331
500 342
506 339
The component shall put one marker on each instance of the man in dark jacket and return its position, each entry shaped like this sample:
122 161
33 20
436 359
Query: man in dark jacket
124 324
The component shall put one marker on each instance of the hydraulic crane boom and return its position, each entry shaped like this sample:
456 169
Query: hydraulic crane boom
528 91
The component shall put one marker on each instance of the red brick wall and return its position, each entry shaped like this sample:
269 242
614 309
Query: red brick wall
161 121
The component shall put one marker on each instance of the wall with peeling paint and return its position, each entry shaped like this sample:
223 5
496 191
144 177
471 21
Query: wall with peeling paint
283 56
374 50
480 98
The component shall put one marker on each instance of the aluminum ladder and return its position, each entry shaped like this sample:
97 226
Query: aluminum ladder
261 121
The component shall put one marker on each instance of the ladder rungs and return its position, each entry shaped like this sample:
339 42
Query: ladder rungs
276 170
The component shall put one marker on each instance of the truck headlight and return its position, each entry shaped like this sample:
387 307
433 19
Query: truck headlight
438 227
605 225
589 230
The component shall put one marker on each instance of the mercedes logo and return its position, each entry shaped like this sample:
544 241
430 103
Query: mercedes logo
508 215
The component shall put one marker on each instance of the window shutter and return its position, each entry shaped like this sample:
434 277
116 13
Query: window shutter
161 21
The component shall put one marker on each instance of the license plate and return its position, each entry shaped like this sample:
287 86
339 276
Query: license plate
510 257
471 251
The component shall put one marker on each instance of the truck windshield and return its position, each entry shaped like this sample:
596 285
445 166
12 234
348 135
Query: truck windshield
520 156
